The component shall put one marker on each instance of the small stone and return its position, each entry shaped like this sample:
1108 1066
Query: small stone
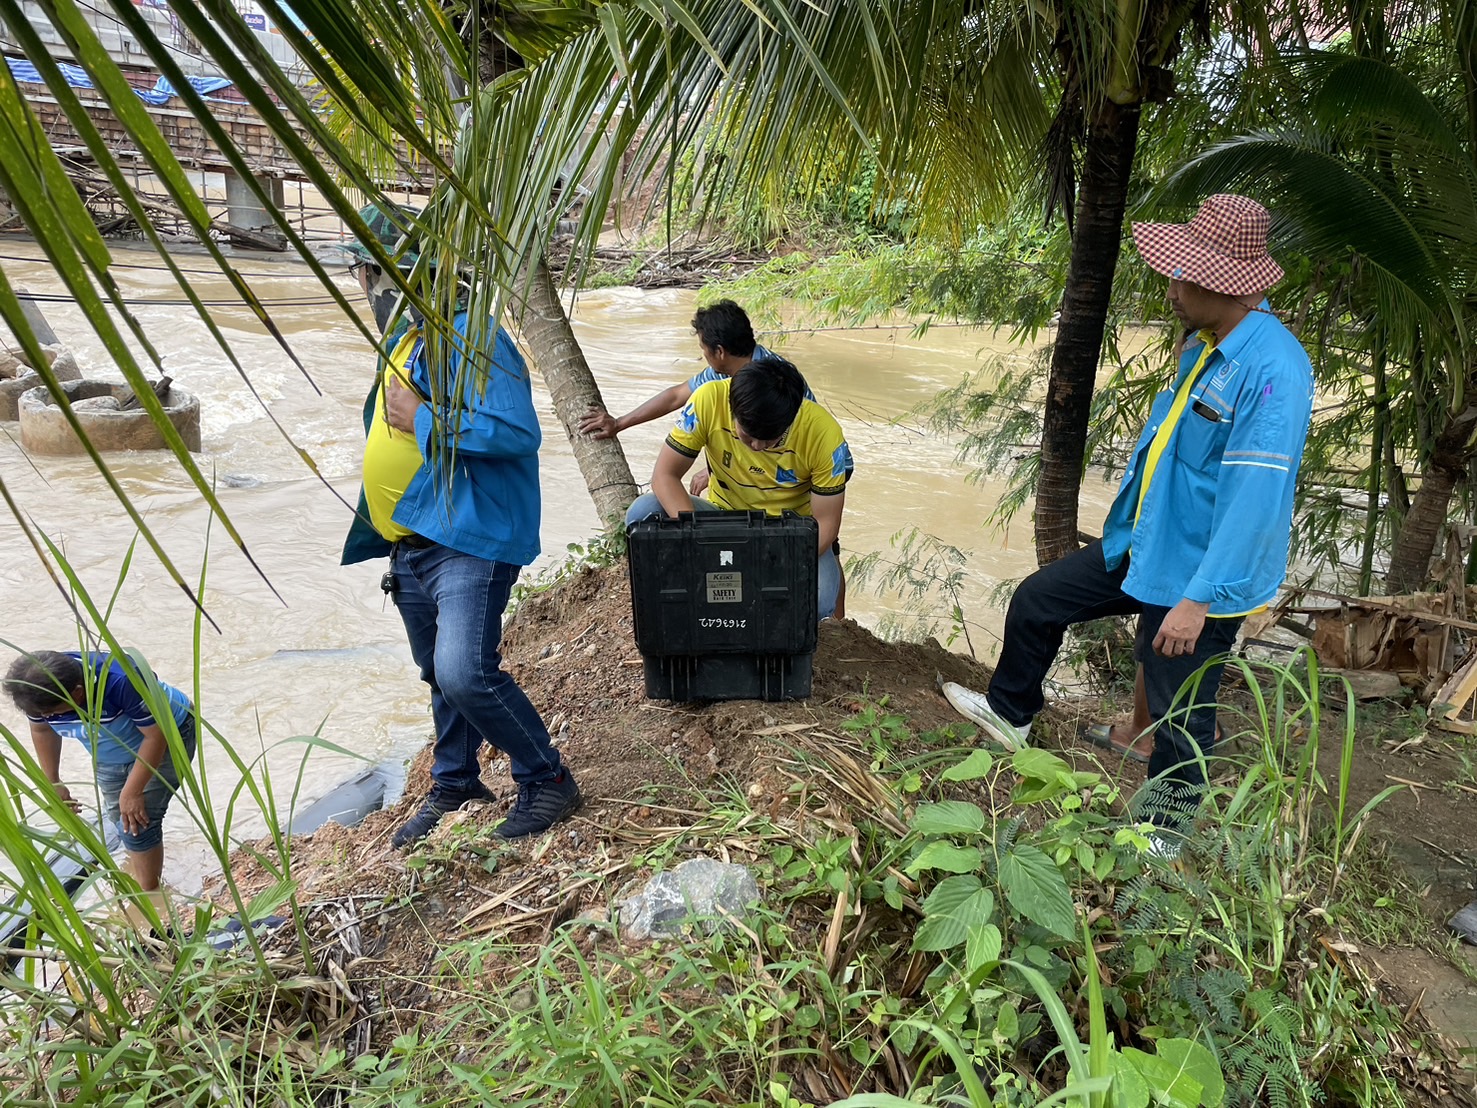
591 918
523 999
755 790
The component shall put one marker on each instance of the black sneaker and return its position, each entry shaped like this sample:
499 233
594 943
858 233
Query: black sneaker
540 806
438 802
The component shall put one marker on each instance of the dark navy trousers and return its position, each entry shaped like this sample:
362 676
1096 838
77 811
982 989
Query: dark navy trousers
1079 588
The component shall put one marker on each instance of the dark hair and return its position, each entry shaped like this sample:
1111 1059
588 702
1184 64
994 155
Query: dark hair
765 397
42 682
727 325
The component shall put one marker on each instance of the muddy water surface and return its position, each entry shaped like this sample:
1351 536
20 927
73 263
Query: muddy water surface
325 655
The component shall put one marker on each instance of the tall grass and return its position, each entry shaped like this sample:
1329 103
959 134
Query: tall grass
101 1009
942 927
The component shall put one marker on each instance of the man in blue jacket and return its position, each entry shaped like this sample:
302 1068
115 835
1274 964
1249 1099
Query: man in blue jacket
1198 535
451 494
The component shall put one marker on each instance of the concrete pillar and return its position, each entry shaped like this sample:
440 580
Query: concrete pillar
244 213
32 311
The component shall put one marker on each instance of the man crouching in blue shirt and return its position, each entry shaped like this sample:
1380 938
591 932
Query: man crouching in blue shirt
1198 535
90 698
451 494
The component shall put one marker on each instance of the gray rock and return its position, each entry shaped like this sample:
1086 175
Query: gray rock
699 890
1464 923
64 366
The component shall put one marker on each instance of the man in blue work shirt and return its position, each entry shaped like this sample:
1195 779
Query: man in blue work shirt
451 494
1198 535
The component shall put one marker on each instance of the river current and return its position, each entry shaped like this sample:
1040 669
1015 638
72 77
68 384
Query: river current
329 657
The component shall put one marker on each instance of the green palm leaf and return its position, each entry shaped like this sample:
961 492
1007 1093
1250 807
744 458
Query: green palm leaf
1325 206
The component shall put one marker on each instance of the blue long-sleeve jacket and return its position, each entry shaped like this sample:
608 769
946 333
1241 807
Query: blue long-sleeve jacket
478 489
1217 518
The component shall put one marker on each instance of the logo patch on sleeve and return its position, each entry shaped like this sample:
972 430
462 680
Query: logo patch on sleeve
687 421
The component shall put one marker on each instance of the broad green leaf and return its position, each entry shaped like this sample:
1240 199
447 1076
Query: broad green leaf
892 892
1008 1023
1130 1090
1168 1083
946 930
1036 764
949 817
981 947
945 902
950 893
1037 890
979 763
1044 775
1194 1059
947 857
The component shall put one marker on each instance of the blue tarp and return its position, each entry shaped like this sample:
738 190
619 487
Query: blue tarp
26 73
163 90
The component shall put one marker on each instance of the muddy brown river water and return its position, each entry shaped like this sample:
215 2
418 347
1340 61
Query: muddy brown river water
329 658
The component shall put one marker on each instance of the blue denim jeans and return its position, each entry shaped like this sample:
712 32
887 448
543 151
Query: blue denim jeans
111 777
452 607
827 567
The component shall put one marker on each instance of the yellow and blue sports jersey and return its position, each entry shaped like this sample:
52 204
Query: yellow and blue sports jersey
391 457
812 458
110 725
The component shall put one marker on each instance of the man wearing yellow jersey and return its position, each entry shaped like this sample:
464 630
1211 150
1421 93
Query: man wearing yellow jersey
768 449
451 495
1198 535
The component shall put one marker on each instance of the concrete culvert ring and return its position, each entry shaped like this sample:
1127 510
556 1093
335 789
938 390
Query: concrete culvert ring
45 430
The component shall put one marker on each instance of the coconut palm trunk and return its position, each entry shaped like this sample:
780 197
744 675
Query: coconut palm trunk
557 356
1446 468
1102 198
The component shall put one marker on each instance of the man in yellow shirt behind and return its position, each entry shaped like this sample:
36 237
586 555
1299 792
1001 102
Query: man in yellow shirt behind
768 449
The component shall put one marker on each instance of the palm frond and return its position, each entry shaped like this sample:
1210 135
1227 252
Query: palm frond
1323 206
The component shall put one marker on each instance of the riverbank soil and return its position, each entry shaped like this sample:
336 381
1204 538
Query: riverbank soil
650 772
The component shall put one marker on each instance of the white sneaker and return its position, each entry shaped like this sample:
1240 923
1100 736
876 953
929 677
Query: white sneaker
1165 846
976 708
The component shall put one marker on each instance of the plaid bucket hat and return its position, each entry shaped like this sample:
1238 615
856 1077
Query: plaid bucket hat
1224 248
384 227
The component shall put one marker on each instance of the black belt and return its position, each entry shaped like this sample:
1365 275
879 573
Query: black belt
415 542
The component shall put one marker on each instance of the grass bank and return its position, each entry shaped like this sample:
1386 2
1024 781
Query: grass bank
941 924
